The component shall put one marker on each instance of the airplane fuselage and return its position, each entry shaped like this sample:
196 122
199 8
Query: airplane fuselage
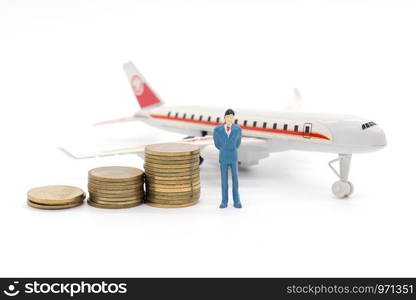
282 130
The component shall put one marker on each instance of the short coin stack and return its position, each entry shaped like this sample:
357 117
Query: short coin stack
55 197
115 187
172 174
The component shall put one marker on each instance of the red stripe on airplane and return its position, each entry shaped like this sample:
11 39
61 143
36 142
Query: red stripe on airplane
261 129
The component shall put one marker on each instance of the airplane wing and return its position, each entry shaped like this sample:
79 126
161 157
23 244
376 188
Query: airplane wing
251 150
139 150
120 120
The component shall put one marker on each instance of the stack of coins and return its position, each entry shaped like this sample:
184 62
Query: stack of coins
172 174
115 187
55 197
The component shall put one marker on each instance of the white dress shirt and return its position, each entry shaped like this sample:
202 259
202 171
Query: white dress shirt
225 127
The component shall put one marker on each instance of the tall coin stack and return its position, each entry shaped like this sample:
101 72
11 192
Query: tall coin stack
115 187
172 174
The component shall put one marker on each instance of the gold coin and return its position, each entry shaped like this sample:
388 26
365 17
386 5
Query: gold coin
168 166
171 149
172 201
115 174
114 188
171 195
114 192
178 172
171 177
173 186
172 190
55 194
172 159
116 184
171 162
113 206
171 205
95 200
172 182
172 156
170 198
54 206
117 196
115 199
172 172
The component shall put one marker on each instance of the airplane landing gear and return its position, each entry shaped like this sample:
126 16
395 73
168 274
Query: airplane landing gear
342 188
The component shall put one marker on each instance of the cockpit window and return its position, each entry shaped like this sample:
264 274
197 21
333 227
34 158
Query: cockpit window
368 125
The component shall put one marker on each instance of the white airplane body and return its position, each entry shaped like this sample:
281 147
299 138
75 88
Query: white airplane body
263 132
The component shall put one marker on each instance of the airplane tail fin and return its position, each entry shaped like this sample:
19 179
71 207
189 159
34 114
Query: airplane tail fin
142 91
296 104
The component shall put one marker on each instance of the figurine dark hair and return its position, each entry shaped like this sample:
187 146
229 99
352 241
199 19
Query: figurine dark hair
229 112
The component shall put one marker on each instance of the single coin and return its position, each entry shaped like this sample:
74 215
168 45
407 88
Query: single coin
171 195
115 174
114 192
114 188
113 206
172 201
171 149
168 166
119 199
172 162
133 182
172 172
169 198
172 182
173 186
170 177
54 206
171 205
172 159
172 190
115 202
117 196
55 194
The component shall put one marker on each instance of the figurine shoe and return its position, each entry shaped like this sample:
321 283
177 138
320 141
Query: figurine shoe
237 204
223 205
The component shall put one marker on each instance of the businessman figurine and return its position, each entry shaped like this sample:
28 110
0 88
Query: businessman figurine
227 139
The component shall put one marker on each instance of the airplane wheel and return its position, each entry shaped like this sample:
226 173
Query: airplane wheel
342 189
201 160
351 189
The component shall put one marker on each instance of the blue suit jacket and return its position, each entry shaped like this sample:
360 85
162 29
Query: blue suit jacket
227 145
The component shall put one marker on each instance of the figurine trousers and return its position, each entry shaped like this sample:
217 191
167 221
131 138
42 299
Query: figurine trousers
224 182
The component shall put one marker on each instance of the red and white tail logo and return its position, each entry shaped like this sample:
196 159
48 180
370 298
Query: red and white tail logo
144 94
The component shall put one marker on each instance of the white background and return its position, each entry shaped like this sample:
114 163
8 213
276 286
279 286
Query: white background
60 71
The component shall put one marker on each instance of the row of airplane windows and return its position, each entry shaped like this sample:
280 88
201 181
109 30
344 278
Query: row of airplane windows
209 119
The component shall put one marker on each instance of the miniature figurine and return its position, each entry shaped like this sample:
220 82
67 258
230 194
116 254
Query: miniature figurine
227 139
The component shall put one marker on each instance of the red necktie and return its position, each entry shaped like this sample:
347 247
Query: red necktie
228 128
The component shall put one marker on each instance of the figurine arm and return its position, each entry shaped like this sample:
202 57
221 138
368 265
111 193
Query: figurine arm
238 142
217 140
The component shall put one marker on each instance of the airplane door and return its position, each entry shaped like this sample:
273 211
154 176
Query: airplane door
307 130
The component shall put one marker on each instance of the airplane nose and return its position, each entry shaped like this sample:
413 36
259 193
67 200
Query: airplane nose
377 136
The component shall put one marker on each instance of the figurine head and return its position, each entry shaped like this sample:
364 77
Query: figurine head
229 117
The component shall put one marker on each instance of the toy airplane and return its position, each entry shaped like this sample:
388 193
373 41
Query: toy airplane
263 132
